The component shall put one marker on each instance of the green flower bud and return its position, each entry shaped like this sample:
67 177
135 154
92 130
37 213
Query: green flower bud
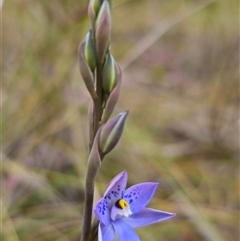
111 133
112 98
85 71
94 6
103 30
110 74
89 51
93 9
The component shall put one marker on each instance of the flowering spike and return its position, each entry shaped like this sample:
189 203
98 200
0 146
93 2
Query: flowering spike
111 133
86 72
110 74
89 51
103 29
112 98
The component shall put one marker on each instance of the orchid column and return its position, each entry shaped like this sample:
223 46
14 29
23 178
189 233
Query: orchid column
102 77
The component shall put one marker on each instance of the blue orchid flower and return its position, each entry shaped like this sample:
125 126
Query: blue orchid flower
120 210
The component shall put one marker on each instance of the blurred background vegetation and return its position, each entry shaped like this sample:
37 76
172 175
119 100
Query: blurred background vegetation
180 83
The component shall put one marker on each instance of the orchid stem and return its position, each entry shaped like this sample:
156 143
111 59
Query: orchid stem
90 177
88 205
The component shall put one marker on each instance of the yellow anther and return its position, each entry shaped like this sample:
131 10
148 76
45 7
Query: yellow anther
121 208
121 203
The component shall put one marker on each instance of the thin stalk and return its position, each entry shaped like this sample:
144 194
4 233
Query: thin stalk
88 205
90 177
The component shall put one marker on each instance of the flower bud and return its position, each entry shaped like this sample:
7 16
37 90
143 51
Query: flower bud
85 70
103 30
89 51
111 133
93 9
112 98
110 74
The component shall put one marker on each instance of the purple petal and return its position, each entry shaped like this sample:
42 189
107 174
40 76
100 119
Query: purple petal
138 196
101 211
114 212
124 231
146 217
116 188
105 233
